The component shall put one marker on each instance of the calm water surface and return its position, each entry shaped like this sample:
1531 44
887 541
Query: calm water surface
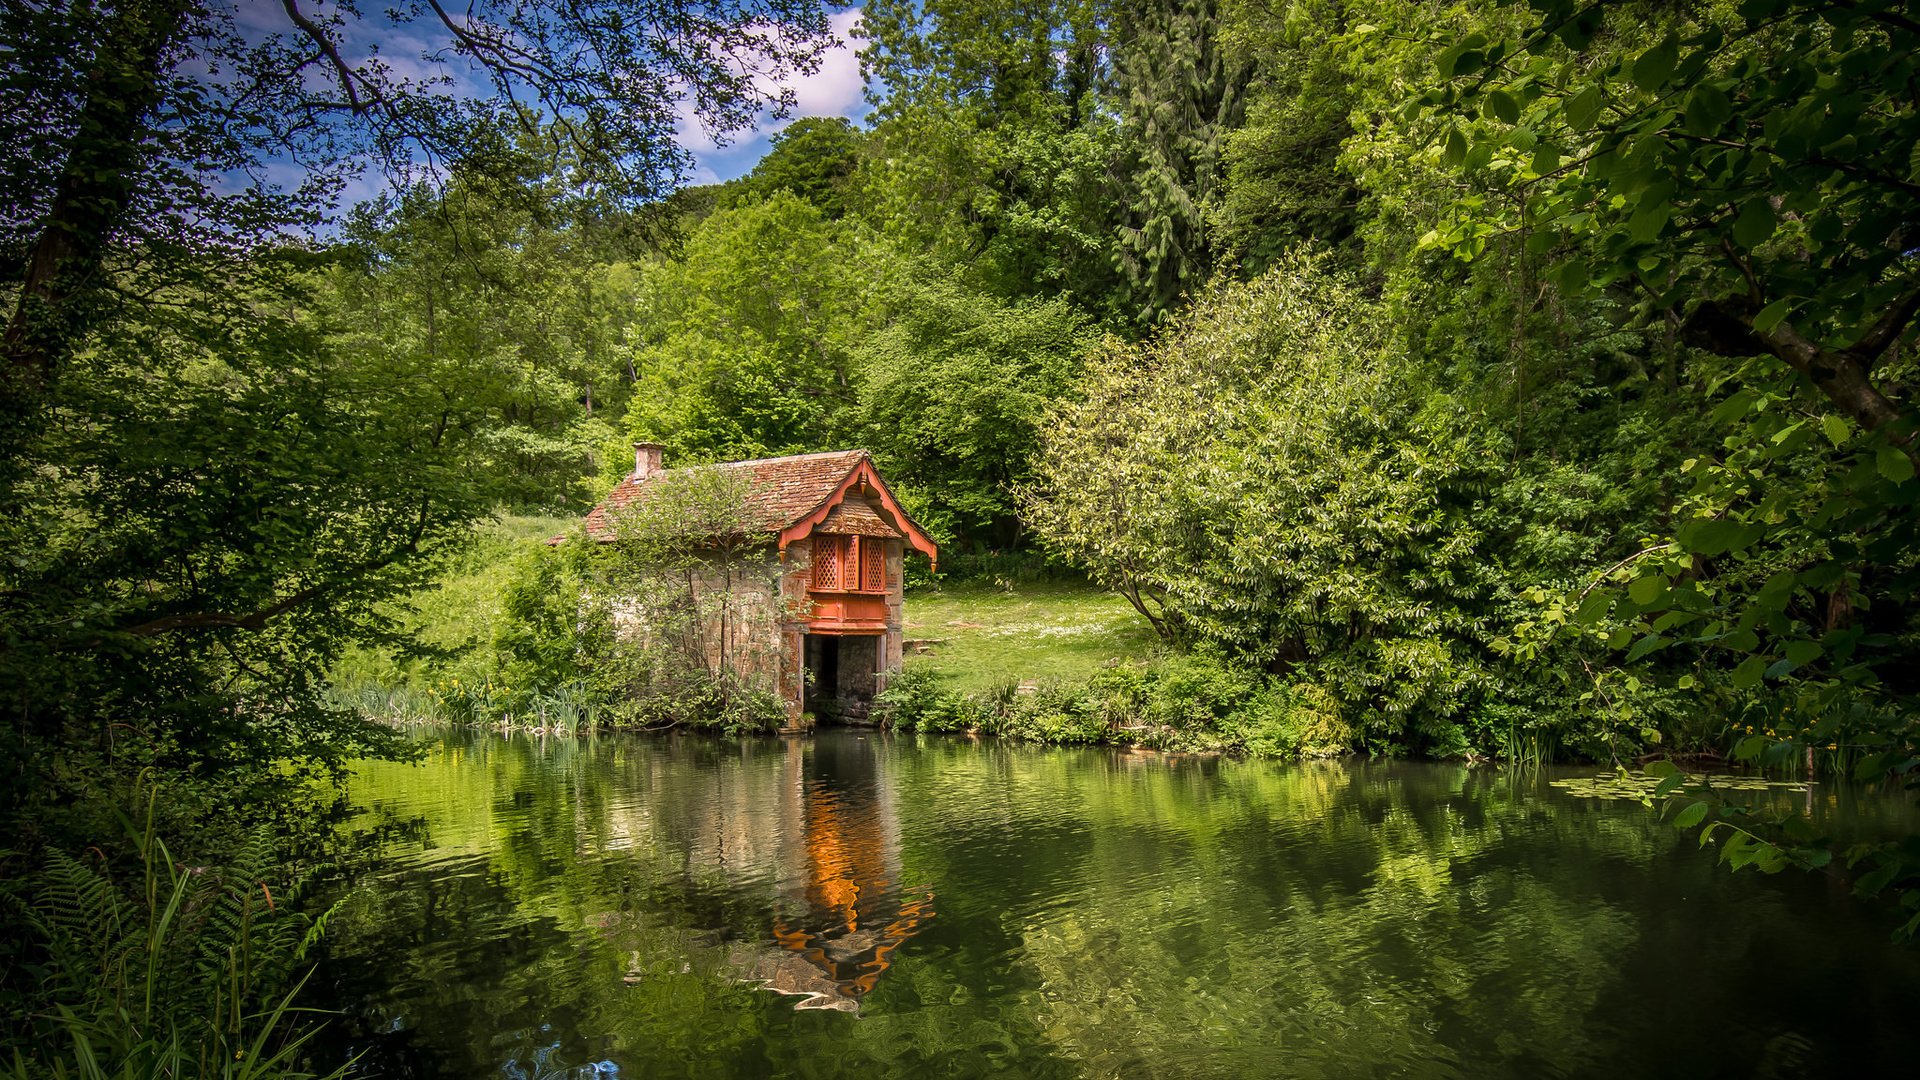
890 906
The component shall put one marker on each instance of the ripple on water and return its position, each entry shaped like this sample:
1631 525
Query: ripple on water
906 907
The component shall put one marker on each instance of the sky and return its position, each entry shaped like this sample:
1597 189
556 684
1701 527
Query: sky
835 90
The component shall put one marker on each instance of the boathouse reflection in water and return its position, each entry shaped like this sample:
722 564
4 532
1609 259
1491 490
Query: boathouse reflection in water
559 908
843 910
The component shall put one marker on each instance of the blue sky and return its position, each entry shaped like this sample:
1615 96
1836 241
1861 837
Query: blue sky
414 53
835 90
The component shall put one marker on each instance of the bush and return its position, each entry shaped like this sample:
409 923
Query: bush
697 700
1196 692
1193 702
1283 474
538 642
1294 720
916 700
1056 713
1005 568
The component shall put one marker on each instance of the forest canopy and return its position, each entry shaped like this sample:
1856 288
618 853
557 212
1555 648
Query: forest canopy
233 426
1505 378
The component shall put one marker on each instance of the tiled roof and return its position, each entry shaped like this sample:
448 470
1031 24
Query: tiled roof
856 518
779 490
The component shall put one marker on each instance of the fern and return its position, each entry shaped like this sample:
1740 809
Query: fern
87 926
169 975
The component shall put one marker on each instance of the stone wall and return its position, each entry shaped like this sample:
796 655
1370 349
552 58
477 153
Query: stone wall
743 632
794 606
894 641
725 614
755 618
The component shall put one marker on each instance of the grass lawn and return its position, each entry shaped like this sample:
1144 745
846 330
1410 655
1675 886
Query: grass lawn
459 610
986 634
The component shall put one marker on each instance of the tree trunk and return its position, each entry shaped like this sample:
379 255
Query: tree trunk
90 199
1843 375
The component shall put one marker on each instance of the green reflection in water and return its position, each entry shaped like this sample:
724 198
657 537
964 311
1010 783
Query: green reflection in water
859 903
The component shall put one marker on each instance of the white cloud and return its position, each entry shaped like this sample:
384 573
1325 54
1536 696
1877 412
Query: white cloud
836 89
688 131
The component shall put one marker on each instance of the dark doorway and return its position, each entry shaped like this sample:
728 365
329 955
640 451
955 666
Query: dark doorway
841 676
823 675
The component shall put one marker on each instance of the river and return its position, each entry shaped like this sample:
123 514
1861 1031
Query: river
860 904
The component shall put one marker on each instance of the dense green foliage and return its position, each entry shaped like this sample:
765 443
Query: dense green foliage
1248 482
1451 378
231 437
176 970
744 347
223 449
955 387
1744 177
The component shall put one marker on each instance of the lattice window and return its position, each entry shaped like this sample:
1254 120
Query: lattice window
829 556
873 565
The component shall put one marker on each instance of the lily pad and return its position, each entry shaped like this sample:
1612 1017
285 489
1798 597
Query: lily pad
1639 787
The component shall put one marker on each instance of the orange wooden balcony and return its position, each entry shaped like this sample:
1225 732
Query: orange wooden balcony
844 612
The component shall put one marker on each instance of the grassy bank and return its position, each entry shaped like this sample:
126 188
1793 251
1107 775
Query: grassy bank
1065 662
975 635
459 612
454 622
1176 702
979 635
1049 661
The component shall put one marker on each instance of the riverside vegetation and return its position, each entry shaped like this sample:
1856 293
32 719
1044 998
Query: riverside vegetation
1446 379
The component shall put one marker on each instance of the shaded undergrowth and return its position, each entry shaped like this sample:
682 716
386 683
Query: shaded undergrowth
128 962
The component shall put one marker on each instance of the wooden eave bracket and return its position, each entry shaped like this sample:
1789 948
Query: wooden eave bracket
804 526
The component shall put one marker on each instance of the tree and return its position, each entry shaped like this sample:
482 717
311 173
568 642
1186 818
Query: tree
507 291
815 158
215 518
1180 90
952 394
993 143
1270 478
744 346
165 102
1284 182
208 496
1745 176
1749 175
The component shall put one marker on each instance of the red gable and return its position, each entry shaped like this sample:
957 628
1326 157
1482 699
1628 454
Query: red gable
788 496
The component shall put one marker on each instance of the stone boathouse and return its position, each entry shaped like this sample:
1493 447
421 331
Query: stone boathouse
817 584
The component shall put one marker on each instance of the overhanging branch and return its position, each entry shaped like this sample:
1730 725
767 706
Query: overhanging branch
258 620
331 52
1726 328
1887 330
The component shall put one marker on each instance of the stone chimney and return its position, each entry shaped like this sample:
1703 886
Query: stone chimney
646 459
